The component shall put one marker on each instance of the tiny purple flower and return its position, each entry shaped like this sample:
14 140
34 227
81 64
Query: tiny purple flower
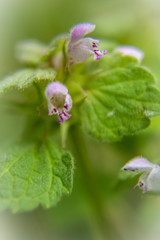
150 177
80 48
59 101
138 164
131 51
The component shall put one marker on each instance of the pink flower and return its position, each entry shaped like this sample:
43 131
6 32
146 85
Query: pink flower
59 101
80 48
131 51
150 173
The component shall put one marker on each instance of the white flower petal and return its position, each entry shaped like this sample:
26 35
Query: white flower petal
55 87
80 30
79 53
90 42
138 164
153 180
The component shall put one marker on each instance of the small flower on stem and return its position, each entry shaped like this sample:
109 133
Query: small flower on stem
150 178
59 101
80 48
130 51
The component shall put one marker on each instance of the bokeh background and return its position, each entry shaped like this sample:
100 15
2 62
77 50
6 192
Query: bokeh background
128 213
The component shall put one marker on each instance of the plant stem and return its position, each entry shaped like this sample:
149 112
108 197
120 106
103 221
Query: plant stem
80 152
64 132
102 224
39 93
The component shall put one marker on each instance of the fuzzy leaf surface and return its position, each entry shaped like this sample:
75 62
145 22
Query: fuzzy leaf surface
120 101
33 174
25 77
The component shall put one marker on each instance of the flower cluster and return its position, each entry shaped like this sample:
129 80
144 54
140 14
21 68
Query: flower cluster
80 48
150 178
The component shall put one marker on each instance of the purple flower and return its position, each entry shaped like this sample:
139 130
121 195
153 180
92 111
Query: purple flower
59 101
80 48
131 51
150 177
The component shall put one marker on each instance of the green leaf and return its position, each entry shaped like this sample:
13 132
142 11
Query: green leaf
30 51
114 60
25 77
32 175
108 62
33 52
120 100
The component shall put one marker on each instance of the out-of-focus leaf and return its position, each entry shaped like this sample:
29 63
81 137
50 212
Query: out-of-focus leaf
55 46
30 51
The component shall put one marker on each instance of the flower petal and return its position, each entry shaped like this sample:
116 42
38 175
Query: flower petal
79 53
80 30
153 180
138 164
68 103
55 87
131 51
90 42
142 182
63 117
50 109
99 54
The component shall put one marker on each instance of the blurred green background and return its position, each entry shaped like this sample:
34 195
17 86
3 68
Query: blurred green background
128 213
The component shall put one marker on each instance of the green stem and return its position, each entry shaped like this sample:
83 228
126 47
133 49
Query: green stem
64 132
81 154
39 93
102 224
